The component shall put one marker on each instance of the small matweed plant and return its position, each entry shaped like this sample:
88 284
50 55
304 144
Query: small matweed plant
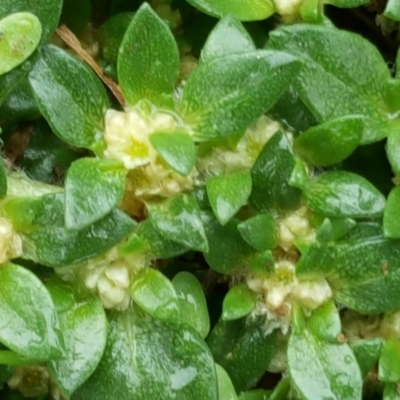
228 230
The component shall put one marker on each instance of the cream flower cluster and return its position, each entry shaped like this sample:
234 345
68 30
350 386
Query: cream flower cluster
127 139
10 242
289 10
34 381
279 290
295 225
107 275
223 159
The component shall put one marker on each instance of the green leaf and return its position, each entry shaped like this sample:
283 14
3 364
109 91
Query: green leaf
78 316
259 232
29 323
228 194
62 82
391 216
192 303
367 275
244 10
389 366
149 359
332 72
344 194
315 376
217 102
227 249
3 179
228 37
111 33
347 3
257 394
226 391
93 188
392 10
324 322
390 392
155 294
47 12
178 219
76 15
393 145
148 59
176 149
20 35
367 353
271 173
238 302
243 349
51 244
330 142
159 246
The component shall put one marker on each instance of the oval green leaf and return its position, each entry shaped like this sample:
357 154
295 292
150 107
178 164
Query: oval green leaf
62 82
367 353
344 194
93 188
391 216
244 10
226 391
149 359
218 102
154 293
238 302
148 59
29 323
389 366
330 142
228 194
192 303
20 35
84 326
176 149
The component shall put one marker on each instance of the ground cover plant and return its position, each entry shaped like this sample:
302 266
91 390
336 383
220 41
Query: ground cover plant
199 200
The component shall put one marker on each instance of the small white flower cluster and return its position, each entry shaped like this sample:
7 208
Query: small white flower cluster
289 10
223 159
127 139
295 225
279 290
10 242
34 381
356 326
108 275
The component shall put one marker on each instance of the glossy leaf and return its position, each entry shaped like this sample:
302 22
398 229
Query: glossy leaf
243 349
238 302
29 323
93 188
78 316
155 294
367 275
227 249
324 322
367 353
226 391
391 216
271 173
62 82
344 194
228 194
217 102
176 149
178 219
389 366
148 359
228 37
148 59
20 35
392 10
259 232
192 303
323 370
3 179
245 10
51 244
330 142
47 12
338 65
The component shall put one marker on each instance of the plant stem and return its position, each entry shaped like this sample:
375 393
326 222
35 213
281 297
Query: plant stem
8 357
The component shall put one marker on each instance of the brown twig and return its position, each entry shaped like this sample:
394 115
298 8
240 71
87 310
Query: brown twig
70 40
